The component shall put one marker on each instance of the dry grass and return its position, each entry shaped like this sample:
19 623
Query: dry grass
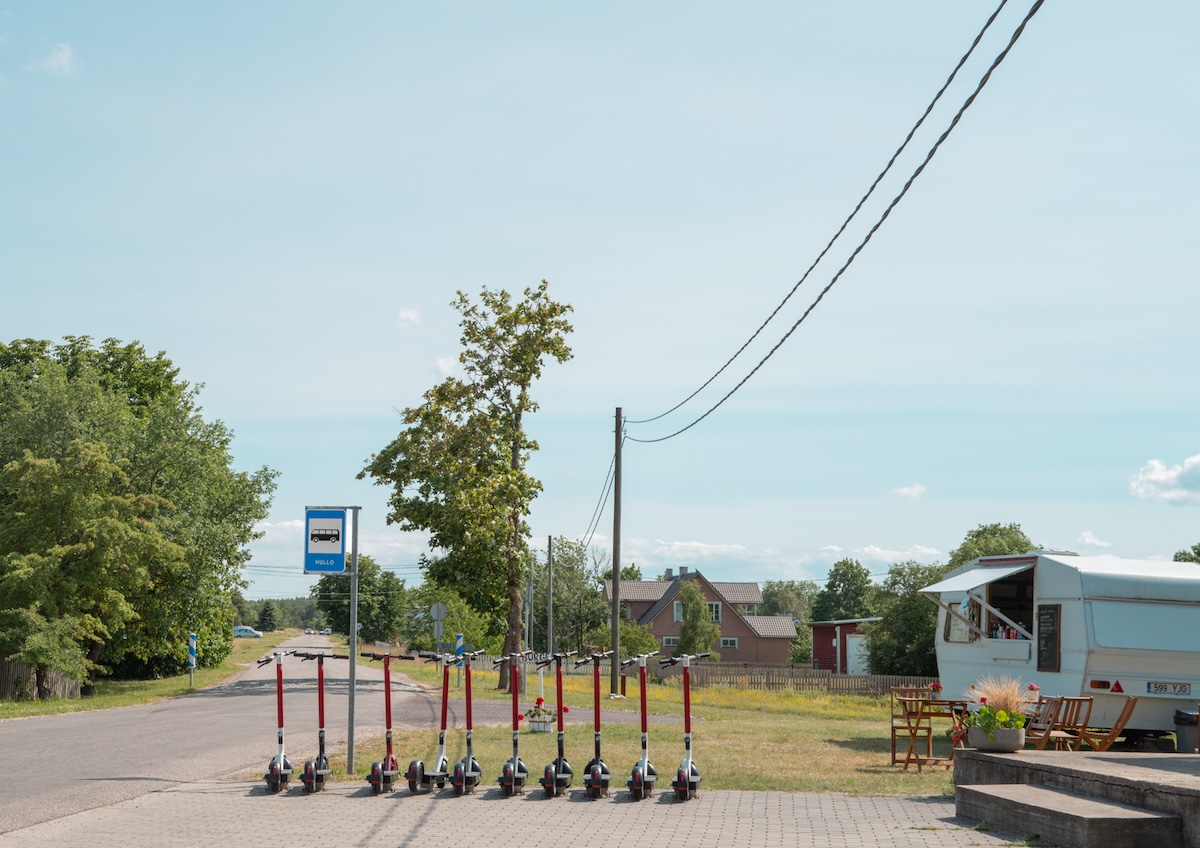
1002 693
742 740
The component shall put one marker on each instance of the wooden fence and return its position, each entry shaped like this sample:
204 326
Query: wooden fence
17 683
797 678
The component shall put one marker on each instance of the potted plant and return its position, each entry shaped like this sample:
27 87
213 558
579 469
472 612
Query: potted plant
541 719
998 721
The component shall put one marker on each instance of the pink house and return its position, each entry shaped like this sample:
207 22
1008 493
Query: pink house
745 635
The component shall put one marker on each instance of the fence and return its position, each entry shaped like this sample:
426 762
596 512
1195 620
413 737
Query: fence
17 683
797 678
758 676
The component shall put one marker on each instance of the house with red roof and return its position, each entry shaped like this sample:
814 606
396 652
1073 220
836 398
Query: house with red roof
745 635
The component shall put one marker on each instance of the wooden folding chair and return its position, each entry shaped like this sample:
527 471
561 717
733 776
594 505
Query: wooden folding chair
1103 741
900 729
1072 720
1037 731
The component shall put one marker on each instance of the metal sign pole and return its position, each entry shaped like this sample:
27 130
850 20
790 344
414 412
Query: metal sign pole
353 639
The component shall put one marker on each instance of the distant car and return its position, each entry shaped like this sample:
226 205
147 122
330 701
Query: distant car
243 630
328 631
308 631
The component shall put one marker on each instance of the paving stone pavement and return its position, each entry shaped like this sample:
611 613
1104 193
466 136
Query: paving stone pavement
239 813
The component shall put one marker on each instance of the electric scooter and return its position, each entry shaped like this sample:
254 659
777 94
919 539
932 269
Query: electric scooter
641 780
383 773
557 776
514 774
315 771
417 775
596 775
687 779
467 772
279 770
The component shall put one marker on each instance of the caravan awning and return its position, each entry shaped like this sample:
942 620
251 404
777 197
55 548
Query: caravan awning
976 577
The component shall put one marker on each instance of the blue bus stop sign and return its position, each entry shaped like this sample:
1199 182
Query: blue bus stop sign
325 541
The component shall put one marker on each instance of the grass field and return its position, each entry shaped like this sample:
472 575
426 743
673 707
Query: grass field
741 740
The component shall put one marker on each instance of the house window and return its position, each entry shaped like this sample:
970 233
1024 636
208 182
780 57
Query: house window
678 611
714 611
729 643
670 641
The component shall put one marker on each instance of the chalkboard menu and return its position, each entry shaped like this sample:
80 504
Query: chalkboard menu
1049 642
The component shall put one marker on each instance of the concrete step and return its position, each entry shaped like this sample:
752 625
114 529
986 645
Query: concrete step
1067 819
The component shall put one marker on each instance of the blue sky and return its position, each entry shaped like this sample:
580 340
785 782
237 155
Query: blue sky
285 197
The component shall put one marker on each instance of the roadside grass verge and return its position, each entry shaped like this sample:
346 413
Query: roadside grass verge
747 740
125 693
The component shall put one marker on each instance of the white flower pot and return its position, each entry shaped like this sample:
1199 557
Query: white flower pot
540 725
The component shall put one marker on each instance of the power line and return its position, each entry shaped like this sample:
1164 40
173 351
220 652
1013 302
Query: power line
886 212
601 503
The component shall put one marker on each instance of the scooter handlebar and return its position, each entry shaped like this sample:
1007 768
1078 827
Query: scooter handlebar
595 656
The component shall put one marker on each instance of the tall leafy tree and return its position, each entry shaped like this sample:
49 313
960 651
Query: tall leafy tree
794 598
991 540
1186 555
849 593
902 641
579 605
110 434
382 601
270 617
697 631
458 470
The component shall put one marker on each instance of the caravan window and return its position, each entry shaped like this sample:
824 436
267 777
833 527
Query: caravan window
956 630
1122 624
1012 596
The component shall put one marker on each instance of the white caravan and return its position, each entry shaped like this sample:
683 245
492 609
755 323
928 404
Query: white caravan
1076 625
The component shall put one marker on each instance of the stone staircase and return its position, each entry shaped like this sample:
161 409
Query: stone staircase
1078 800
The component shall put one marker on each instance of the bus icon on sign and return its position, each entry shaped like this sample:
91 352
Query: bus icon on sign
326 535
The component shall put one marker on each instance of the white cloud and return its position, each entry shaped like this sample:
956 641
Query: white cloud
1088 538
444 365
831 549
1178 484
876 554
912 492
59 62
407 318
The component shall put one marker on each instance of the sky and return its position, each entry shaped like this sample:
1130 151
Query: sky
285 198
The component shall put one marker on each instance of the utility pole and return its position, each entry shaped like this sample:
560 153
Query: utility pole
614 675
549 594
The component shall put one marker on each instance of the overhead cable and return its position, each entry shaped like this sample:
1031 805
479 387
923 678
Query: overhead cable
896 200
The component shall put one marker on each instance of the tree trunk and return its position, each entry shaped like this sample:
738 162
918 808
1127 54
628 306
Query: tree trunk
88 687
41 676
516 596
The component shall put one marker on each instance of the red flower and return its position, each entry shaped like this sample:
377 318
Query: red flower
541 701
983 700
566 709
521 717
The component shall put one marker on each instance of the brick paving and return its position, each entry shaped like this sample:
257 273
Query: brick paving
241 813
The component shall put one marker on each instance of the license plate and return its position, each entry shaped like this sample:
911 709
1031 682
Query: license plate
1156 688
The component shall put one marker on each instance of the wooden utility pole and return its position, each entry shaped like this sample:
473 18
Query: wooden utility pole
615 664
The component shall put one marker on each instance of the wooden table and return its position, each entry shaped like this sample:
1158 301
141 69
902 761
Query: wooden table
921 712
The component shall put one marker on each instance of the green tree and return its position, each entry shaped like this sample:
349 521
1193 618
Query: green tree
794 598
382 601
991 540
417 630
635 639
270 617
902 641
579 605
848 593
1185 555
459 468
630 572
697 631
112 436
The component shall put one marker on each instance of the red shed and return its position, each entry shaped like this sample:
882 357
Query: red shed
840 646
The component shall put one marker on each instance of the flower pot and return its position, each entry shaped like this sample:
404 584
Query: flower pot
539 725
1003 739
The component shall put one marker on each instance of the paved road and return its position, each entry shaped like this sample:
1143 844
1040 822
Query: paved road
208 813
70 763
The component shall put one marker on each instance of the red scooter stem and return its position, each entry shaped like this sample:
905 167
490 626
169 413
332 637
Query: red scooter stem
387 691
642 687
445 693
321 692
687 699
558 692
596 694
468 676
514 686
279 688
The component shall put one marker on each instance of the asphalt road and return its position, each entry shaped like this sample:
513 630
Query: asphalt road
60 765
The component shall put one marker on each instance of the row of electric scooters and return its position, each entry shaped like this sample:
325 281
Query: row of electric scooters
467 773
